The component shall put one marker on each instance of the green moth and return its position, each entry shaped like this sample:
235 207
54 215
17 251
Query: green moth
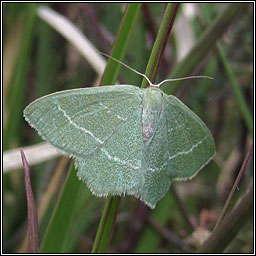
125 140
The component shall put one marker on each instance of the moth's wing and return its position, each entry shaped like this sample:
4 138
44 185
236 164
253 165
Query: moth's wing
190 143
180 146
79 121
100 128
115 168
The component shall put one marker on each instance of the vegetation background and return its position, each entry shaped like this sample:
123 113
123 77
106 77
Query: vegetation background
37 60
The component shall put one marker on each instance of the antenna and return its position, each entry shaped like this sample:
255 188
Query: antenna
143 75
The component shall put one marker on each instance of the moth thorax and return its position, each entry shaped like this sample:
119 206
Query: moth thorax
152 106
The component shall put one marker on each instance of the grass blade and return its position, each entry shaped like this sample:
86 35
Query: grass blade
16 90
237 91
106 225
33 230
160 43
55 237
111 72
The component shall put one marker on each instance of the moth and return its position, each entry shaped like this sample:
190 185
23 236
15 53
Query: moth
125 140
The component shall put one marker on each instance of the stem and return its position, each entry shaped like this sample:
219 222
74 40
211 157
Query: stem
160 43
233 190
118 51
106 226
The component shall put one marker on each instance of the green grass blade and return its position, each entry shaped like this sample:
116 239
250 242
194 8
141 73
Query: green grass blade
120 45
16 91
86 205
159 45
238 94
105 228
60 224
45 62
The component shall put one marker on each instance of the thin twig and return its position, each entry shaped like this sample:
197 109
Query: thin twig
233 190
